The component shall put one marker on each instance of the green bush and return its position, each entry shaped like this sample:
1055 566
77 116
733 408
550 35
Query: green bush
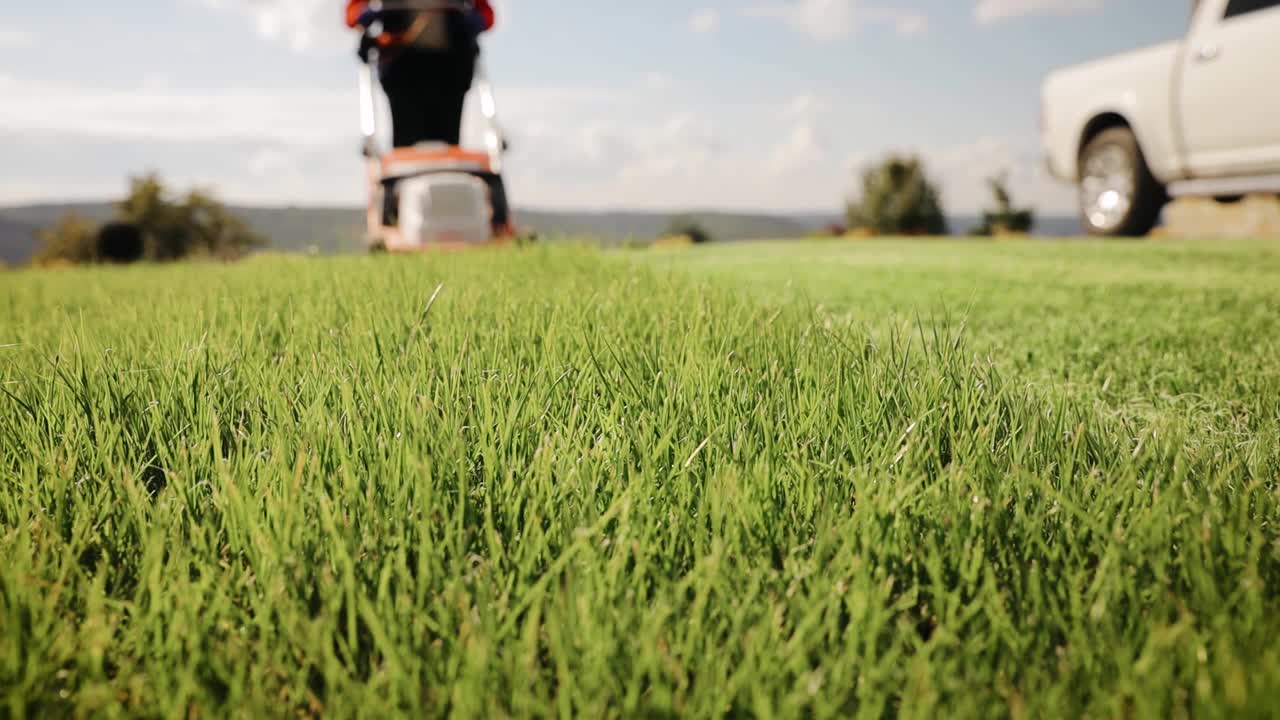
72 239
898 199
687 227
1004 218
196 225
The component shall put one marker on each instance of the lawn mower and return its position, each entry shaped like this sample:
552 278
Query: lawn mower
432 196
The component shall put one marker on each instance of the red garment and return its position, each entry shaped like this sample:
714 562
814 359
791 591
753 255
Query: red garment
355 7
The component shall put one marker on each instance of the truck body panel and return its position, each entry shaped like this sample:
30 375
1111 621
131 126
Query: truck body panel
1228 95
1135 87
1202 108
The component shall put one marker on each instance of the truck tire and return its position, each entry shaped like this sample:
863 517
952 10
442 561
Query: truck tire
1119 197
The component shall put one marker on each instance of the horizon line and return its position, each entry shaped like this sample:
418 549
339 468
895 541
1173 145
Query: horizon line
579 210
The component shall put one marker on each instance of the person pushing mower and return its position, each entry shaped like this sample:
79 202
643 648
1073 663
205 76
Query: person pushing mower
427 52
427 191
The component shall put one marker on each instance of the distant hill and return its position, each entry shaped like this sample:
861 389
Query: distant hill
329 229
48 214
17 241
340 229
612 226
1047 226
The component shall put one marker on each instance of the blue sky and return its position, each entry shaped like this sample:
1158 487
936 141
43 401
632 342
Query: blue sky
760 104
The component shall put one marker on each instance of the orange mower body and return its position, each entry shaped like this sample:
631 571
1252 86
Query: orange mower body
435 197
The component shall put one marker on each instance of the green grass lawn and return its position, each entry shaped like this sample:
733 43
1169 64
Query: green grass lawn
821 479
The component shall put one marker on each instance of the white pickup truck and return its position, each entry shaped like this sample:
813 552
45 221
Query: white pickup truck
1198 116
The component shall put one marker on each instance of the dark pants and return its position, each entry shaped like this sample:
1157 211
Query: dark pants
426 91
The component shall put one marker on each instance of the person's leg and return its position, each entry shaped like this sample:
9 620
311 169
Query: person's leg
404 116
427 93
404 80
451 80
446 115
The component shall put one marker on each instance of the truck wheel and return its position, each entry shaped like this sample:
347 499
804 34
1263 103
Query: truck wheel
1118 195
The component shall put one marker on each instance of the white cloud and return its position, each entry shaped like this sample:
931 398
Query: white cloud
677 146
303 25
14 39
704 21
596 152
309 25
807 106
646 145
802 150
831 20
155 111
271 162
913 25
990 12
658 82
961 172
805 150
60 166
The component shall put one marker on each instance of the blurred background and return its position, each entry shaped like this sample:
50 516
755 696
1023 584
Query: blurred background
748 118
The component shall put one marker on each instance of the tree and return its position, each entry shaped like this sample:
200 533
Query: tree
72 239
690 228
212 230
898 199
1004 218
147 208
121 242
151 226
